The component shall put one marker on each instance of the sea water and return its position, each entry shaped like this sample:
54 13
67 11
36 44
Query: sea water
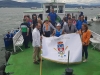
13 17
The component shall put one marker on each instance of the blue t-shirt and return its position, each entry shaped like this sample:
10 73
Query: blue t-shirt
79 24
58 33
53 17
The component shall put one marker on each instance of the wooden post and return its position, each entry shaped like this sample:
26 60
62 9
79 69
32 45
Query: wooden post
41 66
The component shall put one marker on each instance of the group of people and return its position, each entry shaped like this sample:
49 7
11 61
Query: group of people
33 29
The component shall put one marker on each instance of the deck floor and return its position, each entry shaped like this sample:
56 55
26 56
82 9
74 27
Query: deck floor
23 65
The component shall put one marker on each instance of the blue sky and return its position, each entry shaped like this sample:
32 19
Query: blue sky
67 1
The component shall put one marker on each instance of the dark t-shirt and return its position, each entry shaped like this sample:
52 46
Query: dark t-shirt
24 27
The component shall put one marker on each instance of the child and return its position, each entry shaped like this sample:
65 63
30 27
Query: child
58 31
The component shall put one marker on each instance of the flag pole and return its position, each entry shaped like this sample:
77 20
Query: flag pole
41 66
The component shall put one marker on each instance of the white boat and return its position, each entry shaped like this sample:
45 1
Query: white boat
58 7
81 7
97 18
33 7
89 21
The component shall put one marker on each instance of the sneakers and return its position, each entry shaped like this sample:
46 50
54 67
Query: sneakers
84 60
36 62
39 60
27 47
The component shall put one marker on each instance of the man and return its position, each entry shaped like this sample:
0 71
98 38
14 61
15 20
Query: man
53 17
36 43
29 21
25 32
69 28
80 22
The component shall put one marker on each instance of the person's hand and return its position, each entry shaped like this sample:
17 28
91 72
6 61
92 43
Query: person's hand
41 37
65 33
78 32
83 43
43 33
31 25
27 34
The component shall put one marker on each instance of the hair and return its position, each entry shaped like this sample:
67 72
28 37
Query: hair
73 16
65 19
34 15
70 19
39 20
82 15
37 24
85 25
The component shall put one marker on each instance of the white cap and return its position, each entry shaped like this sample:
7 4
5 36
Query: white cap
58 24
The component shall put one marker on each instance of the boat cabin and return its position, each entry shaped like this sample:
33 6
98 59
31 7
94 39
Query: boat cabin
59 9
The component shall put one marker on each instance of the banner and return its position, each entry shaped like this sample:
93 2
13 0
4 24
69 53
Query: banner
56 48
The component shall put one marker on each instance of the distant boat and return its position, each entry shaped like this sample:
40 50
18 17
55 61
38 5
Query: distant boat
81 7
33 7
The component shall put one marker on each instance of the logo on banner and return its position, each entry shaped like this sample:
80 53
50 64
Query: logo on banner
60 49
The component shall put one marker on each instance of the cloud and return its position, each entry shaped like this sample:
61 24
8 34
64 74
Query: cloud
66 1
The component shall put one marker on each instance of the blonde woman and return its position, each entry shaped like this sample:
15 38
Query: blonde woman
40 21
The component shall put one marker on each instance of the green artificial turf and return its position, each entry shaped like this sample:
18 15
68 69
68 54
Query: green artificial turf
22 64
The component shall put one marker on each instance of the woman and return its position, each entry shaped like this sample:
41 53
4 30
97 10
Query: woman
47 28
34 17
39 21
85 36
74 21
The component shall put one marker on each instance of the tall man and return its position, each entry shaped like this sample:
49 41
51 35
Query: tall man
36 43
53 17
80 22
25 32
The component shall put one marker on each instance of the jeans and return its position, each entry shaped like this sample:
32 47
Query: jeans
25 39
85 51
47 34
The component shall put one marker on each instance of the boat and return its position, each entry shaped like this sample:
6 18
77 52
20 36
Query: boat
81 7
97 18
33 7
22 63
90 21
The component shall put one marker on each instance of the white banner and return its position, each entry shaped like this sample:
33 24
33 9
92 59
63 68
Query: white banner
56 48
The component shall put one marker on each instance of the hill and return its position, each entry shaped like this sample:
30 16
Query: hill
10 3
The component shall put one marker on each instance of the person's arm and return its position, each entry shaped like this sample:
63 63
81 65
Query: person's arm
63 32
35 39
55 16
52 26
87 37
27 31
43 29
53 33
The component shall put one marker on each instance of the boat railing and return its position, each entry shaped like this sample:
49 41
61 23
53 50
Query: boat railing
95 40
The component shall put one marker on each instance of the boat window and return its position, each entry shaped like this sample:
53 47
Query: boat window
47 9
60 9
